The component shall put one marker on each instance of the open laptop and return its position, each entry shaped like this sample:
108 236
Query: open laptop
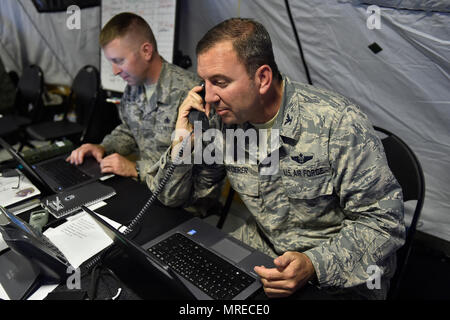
220 268
56 175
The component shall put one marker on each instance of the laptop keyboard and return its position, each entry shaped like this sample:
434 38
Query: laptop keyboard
64 173
207 271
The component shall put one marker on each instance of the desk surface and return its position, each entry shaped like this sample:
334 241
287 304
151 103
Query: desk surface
130 197
157 220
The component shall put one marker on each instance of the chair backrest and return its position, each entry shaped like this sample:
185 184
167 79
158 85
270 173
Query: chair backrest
407 170
85 93
29 93
14 77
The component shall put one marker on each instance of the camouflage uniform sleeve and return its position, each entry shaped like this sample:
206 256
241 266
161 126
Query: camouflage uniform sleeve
146 168
149 169
371 200
178 188
120 140
189 183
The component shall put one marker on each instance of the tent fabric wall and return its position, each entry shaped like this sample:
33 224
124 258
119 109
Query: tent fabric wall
30 37
404 88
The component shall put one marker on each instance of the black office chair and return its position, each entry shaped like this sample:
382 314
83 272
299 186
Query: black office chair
407 170
28 103
14 77
84 95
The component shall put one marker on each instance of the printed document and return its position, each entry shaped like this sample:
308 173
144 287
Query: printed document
80 238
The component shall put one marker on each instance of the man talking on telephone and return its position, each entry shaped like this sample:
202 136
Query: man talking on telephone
333 210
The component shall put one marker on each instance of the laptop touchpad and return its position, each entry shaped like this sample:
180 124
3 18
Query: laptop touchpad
231 250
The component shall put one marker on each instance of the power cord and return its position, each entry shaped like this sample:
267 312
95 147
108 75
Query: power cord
96 259
158 190
97 274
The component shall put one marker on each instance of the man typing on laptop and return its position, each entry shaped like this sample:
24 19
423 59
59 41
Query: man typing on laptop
148 109
331 211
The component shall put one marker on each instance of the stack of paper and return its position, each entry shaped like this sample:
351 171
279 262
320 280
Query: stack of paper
80 238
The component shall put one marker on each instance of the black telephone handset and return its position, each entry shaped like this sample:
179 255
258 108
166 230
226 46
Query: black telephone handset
196 115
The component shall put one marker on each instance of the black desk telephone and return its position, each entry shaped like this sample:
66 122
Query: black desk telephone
31 257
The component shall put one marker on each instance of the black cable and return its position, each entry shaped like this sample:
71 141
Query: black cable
97 274
158 190
134 233
97 259
297 38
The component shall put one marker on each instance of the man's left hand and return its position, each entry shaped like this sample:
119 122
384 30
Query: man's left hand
117 164
293 270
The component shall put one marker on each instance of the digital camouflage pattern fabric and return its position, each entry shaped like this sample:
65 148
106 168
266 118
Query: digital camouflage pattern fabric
147 124
333 196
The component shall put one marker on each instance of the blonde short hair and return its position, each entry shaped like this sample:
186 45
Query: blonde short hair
127 23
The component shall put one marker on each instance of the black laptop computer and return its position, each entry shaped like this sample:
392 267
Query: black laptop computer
56 175
198 258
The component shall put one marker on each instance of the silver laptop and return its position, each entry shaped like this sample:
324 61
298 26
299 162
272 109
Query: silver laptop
200 259
56 175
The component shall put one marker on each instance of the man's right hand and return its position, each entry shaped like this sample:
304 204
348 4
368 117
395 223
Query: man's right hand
182 128
192 101
77 155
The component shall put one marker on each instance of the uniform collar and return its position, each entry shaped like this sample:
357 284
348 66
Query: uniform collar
164 83
162 86
288 120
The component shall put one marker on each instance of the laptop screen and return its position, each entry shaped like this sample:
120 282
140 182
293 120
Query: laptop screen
41 184
158 272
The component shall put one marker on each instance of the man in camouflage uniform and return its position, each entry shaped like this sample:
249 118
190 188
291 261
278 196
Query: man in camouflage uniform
148 109
332 212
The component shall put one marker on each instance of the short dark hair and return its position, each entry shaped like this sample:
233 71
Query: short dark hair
126 23
250 40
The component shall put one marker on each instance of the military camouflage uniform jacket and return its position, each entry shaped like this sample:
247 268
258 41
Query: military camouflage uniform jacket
333 198
147 124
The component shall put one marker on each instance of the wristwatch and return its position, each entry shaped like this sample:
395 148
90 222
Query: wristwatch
138 171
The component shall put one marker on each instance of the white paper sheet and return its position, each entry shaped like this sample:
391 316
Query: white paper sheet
79 238
10 194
